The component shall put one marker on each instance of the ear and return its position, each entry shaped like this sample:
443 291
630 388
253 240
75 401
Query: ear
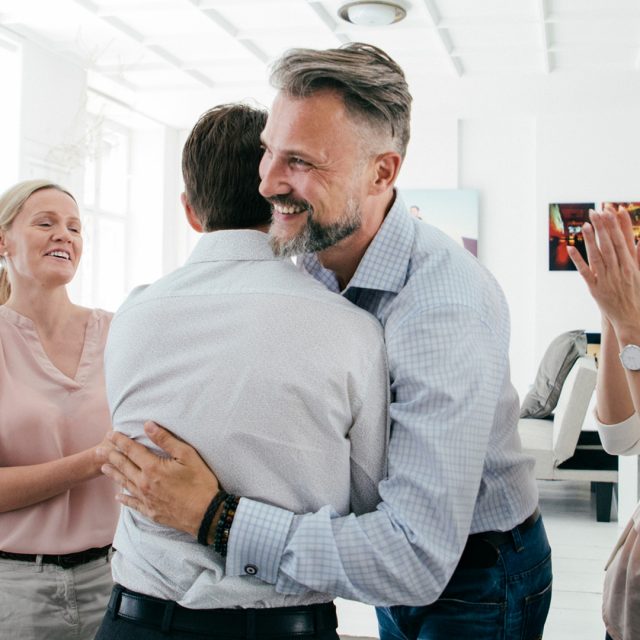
192 218
386 167
3 246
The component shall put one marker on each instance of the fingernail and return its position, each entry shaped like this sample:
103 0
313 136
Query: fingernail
150 427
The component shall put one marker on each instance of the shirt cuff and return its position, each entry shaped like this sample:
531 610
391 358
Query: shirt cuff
257 540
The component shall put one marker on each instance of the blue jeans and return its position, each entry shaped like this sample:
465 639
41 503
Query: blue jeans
507 601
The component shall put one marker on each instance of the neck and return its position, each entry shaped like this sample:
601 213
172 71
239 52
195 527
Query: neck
343 258
48 309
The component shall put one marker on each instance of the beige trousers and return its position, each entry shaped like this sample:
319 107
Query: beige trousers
45 602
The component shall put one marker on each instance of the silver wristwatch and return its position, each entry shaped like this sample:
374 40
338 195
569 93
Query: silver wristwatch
630 357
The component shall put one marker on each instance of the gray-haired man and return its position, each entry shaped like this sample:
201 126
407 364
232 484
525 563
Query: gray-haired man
457 537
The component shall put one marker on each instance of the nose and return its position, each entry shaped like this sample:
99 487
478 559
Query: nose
272 177
61 233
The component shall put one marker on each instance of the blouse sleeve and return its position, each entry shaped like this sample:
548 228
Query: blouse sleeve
622 438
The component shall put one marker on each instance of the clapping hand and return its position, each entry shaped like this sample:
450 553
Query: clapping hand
613 271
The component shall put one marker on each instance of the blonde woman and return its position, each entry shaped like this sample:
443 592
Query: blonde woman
613 278
57 512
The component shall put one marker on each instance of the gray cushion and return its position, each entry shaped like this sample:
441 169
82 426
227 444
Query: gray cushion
558 359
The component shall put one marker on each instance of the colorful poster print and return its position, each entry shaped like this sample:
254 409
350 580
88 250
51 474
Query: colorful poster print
634 212
565 230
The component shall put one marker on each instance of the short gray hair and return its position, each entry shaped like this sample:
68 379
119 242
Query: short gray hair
371 84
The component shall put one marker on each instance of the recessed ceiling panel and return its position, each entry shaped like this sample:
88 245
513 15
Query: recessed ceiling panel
202 46
145 79
595 58
612 32
467 37
409 37
276 46
484 10
234 72
506 60
588 8
268 15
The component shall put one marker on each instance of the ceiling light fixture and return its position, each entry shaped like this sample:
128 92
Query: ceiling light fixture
372 14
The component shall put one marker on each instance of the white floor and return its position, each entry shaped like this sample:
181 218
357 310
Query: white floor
580 547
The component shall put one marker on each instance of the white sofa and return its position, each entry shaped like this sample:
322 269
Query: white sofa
560 450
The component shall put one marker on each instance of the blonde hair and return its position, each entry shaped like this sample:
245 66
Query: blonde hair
11 203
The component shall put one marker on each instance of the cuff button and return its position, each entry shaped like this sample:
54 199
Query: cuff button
251 569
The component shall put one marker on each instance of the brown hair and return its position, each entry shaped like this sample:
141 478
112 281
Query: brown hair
220 168
11 203
372 85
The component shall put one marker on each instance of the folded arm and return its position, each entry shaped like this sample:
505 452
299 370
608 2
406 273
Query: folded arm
27 485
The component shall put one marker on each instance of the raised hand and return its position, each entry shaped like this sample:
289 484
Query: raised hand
613 273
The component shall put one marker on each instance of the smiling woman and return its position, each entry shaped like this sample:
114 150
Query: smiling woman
57 512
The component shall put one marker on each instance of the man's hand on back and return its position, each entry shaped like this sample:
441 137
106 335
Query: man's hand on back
174 491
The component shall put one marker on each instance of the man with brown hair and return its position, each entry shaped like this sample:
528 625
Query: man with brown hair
267 374
457 538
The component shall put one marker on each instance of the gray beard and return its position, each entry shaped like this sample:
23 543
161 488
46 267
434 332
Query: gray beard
316 237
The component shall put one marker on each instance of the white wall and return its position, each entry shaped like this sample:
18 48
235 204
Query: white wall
590 156
497 158
523 143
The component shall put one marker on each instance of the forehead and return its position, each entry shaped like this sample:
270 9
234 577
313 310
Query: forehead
318 123
50 201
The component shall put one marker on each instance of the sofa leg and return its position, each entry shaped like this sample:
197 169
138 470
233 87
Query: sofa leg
604 493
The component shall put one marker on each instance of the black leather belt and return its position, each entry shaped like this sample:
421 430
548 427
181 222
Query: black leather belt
481 550
242 623
66 561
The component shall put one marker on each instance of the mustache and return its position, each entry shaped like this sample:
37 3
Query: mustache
286 201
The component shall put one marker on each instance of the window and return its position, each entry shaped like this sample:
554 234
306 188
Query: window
105 212
10 69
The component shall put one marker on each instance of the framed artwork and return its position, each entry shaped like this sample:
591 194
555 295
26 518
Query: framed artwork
634 212
454 211
565 229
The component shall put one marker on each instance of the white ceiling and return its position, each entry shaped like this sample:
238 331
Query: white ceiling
177 57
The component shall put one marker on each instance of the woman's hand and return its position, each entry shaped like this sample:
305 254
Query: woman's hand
613 273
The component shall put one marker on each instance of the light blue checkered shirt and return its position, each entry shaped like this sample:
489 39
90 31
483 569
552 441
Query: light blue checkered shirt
455 461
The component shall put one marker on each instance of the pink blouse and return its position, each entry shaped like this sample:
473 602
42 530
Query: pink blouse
44 415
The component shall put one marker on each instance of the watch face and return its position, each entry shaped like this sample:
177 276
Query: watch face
630 357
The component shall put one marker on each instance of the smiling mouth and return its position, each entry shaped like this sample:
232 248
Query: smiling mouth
288 210
64 255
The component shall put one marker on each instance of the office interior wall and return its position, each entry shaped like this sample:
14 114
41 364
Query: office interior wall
56 137
521 142
10 72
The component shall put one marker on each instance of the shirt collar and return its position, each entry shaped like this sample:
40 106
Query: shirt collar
232 244
385 263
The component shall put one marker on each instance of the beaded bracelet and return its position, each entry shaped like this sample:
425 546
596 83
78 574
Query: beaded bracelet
207 519
225 521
